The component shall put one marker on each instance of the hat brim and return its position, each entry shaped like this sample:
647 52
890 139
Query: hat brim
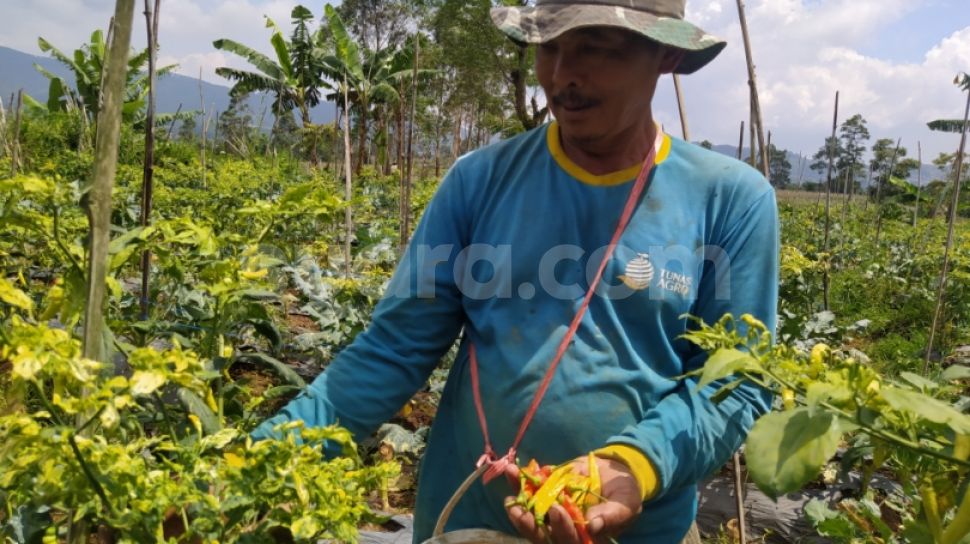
539 24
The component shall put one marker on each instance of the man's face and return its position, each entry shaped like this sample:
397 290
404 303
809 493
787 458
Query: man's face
599 81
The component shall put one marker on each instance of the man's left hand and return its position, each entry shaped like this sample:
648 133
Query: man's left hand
620 507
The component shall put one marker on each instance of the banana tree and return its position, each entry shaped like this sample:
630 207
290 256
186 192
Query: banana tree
294 77
87 66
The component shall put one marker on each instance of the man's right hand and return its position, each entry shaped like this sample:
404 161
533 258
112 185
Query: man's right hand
621 504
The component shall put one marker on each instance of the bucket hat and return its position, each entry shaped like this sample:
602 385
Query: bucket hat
659 20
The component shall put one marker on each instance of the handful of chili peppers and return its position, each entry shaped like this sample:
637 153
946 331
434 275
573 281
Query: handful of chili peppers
542 486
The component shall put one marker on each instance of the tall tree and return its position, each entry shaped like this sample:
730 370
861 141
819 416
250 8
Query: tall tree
853 139
378 24
482 59
779 166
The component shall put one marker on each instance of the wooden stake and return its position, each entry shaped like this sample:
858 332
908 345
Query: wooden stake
879 182
955 204
348 189
828 203
919 180
741 140
15 146
3 130
102 182
680 107
753 84
406 195
753 158
205 127
151 25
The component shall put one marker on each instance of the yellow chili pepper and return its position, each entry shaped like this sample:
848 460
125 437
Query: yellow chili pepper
595 484
546 496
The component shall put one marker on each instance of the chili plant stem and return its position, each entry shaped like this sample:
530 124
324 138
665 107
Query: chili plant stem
885 435
85 468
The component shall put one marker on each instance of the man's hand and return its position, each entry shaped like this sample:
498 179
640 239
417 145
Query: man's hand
620 507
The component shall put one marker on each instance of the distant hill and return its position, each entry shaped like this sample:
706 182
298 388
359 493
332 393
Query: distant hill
929 171
17 72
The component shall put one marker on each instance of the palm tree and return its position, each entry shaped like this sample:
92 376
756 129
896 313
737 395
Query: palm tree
294 77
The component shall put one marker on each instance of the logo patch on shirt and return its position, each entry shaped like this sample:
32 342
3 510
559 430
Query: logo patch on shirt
639 272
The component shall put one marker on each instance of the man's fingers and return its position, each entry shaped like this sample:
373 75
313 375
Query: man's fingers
562 528
525 523
608 518
512 475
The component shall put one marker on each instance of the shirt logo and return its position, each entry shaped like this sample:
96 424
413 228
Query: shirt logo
639 272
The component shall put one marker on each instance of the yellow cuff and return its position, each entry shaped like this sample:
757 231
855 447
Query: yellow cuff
639 465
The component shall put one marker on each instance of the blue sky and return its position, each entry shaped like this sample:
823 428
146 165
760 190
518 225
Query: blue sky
892 60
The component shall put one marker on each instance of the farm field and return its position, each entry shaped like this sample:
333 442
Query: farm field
239 259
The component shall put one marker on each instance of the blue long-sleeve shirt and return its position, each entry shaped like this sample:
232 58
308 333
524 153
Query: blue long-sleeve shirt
506 250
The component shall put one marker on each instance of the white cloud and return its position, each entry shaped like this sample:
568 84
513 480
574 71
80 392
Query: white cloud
805 52
187 28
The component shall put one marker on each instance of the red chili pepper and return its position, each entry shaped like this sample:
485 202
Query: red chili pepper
579 520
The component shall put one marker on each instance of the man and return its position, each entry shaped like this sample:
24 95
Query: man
506 252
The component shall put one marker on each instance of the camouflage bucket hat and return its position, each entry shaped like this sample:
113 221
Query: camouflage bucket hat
660 20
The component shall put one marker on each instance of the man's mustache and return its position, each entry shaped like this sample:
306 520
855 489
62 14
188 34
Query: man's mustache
572 99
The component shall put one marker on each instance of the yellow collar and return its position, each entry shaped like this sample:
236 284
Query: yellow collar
578 172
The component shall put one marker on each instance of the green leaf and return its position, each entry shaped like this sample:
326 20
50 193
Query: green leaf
278 367
725 390
918 381
195 405
726 362
956 372
819 392
787 449
219 440
305 528
829 522
146 382
14 297
926 407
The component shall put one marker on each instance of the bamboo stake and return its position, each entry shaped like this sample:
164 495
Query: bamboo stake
15 146
753 84
741 140
105 167
205 128
753 158
680 107
3 129
406 195
865 205
739 500
171 126
941 289
919 180
151 26
767 151
892 164
348 189
828 204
